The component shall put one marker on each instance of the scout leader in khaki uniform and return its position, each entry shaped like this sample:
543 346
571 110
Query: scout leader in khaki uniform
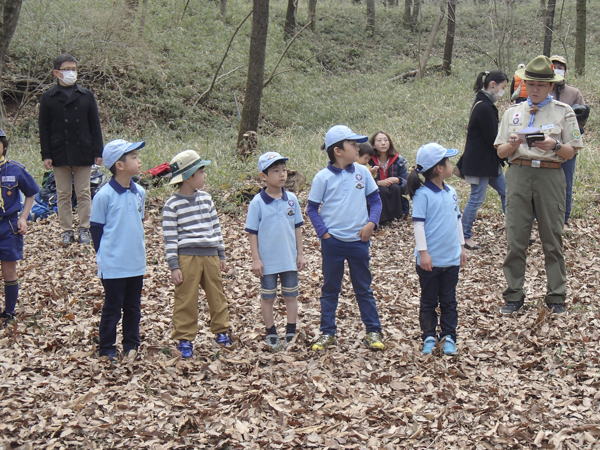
535 183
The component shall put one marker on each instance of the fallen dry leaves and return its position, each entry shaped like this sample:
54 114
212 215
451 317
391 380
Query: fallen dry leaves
531 380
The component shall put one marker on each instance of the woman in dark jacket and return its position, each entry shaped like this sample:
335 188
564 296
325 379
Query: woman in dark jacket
391 177
480 163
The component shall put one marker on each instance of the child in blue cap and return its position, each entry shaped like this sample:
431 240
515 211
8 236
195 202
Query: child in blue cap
14 180
273 225
344 226
118 237
440 244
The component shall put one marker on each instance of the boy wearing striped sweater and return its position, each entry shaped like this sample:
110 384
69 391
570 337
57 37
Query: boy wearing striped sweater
195 252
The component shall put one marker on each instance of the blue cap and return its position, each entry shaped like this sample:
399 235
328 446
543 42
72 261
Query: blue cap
2 133
117 148
266 160
431 154
342 133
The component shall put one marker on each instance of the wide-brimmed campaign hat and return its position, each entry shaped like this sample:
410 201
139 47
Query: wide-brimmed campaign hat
184 165
539 69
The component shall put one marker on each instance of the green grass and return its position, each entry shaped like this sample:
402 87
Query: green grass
147 86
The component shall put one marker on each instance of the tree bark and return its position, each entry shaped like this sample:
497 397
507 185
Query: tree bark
290 19
9 16
580 36
415 13
432 35
549 28
312 13
407 16
371 16
447 62
256 69
223 7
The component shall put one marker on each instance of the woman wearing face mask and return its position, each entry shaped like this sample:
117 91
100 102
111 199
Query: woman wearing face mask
480 163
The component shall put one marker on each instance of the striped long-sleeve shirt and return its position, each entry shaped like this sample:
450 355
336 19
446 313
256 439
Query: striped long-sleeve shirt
191 227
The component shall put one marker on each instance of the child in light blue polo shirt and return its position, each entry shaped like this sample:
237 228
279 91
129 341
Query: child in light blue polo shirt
439 244
273 225
344 226
118 235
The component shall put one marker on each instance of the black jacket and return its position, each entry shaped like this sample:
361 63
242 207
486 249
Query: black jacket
480 158
70 133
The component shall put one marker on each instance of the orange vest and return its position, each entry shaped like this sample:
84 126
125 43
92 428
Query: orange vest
523 92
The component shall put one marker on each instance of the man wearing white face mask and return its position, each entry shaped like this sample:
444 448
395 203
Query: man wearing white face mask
71 142
571 96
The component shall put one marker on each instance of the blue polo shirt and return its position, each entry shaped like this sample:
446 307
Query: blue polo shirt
275 220
342 195
14 178
119 211
438 208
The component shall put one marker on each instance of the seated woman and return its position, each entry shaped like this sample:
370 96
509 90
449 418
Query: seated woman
391 177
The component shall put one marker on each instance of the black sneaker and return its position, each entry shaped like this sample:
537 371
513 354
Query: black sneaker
7 318
67 238
557 308
511 307
84 236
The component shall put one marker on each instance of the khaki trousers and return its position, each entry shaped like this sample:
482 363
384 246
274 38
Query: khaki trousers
541 192
81 180
206 272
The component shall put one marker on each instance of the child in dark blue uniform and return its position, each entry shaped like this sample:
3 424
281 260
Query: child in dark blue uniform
14 179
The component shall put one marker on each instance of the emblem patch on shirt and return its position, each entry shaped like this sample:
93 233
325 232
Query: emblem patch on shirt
9 178
291 212
548 127
576 134
358 176
291 203
455 197
360 185
140 203
9 193
516 118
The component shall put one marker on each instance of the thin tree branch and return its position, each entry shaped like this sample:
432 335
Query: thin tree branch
291 69
214 80
284 52
206 92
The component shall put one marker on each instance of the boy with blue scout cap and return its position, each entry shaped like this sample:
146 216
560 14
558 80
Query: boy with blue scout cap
344 225
14 180
118 236
273 225
195 252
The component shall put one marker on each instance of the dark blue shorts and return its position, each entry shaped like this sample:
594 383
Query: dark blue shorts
11 242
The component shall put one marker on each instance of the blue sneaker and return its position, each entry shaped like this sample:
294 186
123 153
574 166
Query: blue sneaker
186 348
449 346
223 339
428 345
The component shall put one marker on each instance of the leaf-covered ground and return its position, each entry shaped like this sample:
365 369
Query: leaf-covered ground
517 382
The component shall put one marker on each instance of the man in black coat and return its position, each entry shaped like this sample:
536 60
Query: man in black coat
71 142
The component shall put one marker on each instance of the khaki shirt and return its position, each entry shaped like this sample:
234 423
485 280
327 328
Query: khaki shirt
556 119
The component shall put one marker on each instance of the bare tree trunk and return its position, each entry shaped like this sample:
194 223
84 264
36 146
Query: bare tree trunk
447 63
542 7
290 19
223 7
549 27
256 70
407 17
9 17
580 36
432 35
312 13
142 23
371 16
416 11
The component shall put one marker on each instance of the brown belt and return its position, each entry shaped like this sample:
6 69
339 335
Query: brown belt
536 163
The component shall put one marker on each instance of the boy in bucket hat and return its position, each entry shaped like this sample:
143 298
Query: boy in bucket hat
13 225
344 226
273 225
118 238
535 183
195 252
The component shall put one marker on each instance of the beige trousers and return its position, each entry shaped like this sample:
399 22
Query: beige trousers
81 180
206 272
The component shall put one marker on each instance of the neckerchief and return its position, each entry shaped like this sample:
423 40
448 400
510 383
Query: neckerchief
535 108
2 162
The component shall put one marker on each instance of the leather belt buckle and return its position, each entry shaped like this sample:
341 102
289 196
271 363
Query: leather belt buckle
535 163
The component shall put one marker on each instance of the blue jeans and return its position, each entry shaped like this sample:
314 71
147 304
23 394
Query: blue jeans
334 253
568 168
477 198
438 287
289 285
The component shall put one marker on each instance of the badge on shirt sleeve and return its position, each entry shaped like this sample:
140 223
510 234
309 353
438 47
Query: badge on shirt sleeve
9 178
576 135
